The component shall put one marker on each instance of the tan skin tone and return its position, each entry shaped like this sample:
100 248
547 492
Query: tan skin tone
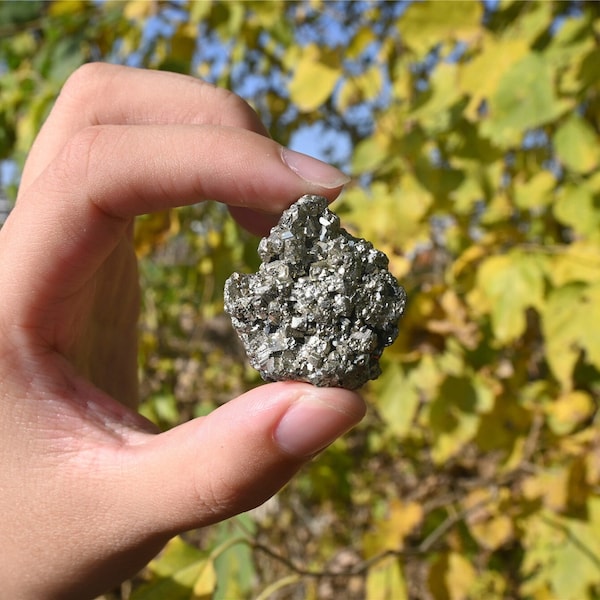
89 491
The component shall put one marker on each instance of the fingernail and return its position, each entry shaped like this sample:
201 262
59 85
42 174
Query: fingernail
312 170
310 425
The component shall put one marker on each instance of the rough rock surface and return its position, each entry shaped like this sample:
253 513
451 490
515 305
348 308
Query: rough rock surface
322 306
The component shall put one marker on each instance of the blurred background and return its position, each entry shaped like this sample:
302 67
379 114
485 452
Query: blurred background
472 133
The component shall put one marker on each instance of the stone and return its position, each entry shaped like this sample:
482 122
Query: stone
323 304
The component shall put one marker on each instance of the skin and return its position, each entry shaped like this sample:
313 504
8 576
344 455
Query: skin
89 491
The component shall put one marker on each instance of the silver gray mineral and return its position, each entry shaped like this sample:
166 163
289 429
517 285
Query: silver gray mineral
322 306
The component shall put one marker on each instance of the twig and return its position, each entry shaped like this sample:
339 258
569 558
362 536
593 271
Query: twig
361 568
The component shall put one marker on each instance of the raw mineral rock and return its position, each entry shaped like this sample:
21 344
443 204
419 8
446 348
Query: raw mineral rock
322 306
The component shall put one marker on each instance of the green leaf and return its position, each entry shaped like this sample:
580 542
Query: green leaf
511 283
433 110
397 215
479 77
13 12
535 193
576 207
181 572
533 20
562 554
571 324
580 262
425 24
525 99
369 154
577 145
234 562
397 400
455 413
177 555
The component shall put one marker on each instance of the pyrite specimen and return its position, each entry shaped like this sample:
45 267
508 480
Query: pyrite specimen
322 306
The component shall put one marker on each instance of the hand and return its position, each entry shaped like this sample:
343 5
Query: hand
89 491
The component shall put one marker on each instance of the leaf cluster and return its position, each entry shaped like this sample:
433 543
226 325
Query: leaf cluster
472 133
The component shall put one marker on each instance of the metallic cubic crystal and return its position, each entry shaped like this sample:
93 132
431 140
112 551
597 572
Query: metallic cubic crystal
322 306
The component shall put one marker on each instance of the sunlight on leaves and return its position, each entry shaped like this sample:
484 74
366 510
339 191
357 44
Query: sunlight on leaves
577 145
511 283
385 580
451 577
313 81
427 23
470 130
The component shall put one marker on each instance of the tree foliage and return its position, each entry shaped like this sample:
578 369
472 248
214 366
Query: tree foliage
472 132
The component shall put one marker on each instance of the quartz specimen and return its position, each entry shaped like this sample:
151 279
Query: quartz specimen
322 306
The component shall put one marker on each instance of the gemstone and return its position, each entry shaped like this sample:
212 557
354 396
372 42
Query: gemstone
323 304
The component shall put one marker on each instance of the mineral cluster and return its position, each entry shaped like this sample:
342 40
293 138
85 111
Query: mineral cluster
322 306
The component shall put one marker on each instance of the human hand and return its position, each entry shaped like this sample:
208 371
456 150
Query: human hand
89 491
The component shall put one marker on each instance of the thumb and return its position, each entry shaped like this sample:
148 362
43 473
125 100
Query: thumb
238 456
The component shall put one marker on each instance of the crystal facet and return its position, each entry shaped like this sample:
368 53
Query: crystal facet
322 306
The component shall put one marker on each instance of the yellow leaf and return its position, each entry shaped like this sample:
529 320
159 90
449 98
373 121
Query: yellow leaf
511 283
153 230
366 86
183 42
576 207
486 521
455 414
570 410
370 83
551 486
59 8
536 192
395 215
206 583
592 467
139 9
451 576
525 98
562 554
198 11
370 152
577 145
571 324
433 113
348 94
391 531
425 24
455 321
397 400
364 36
461 576
181 570
479 78
494 532
176 555
405 517
385 580
532 22
313 82
465 261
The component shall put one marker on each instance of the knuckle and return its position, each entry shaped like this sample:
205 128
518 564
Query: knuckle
76 167
83 83
235 111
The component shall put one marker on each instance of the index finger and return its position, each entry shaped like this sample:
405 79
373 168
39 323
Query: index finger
97 178
105 94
